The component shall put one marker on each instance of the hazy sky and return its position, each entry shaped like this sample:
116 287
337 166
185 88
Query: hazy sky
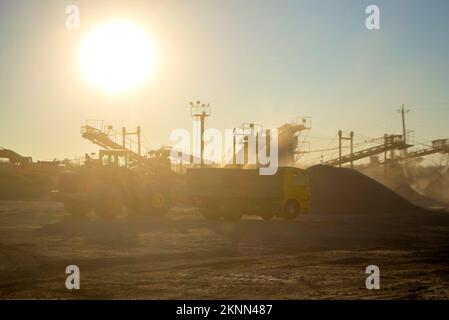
253 61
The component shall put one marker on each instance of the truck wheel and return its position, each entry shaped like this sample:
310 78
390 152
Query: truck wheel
210 212
291 210
232 213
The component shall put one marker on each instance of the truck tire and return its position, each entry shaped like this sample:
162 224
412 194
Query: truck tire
210 211
232 214
291 210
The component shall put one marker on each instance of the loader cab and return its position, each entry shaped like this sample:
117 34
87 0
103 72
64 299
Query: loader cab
114 157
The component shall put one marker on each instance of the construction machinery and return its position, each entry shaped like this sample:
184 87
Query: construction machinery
14 158
231 193
113 183
23 179
120 179
437 146
391 142
128 176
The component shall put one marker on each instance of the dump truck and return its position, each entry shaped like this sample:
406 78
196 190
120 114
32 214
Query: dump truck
109 185
229 193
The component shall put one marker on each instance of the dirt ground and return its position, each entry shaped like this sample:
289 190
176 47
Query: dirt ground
183 256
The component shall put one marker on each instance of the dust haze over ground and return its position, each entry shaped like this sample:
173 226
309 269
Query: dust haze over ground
422 185
322 255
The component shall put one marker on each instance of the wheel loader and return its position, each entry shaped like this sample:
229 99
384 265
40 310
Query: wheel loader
112 184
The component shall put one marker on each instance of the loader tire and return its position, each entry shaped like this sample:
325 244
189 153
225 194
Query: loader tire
159 203
156 204
108 202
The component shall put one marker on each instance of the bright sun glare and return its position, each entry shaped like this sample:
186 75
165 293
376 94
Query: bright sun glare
117 56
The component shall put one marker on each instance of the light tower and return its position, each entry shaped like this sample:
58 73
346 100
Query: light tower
201 111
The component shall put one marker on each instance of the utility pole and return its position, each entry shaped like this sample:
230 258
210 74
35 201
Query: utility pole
351 141
351 138
339 147
234 143
403 111
385 155
139 146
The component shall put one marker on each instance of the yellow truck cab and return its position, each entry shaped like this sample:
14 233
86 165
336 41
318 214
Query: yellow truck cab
230 193
296 192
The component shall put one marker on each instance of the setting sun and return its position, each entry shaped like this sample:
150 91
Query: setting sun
117 56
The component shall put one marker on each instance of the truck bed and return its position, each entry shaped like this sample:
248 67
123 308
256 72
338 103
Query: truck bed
233 183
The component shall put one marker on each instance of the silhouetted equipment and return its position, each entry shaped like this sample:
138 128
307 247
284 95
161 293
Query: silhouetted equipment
103 135
392 142
22 179
109 184
438 146
128 175
123 177
14 157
